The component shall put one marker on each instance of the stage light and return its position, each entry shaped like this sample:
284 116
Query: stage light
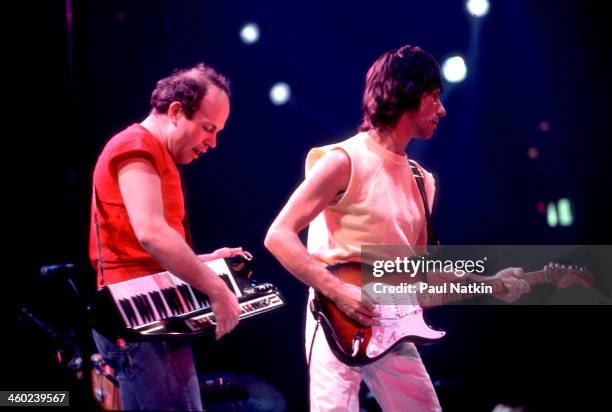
454 69
280 93
560 213
544 126
564 210
249 33
533 153
477 8
541 206
551 215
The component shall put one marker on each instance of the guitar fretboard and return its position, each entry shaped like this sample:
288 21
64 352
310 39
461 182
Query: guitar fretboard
429 300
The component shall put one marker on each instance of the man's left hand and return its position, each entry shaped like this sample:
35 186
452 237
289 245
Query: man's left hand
225 252
515 286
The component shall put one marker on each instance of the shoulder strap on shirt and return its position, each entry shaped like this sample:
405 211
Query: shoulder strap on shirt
432 239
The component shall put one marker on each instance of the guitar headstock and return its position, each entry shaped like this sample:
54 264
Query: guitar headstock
565 275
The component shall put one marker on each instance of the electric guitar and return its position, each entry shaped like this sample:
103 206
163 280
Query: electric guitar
356 344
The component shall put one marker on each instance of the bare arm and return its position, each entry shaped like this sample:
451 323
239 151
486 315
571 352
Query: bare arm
511 279
330 176
140 187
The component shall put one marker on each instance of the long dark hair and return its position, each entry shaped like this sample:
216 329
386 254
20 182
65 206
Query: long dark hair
395 83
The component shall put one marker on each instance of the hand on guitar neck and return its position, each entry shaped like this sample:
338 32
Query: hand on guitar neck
514 285
357 305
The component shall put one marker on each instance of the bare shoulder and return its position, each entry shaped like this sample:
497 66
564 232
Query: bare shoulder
328 177
333 167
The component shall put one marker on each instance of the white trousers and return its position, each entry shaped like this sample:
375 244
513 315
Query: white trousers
398 380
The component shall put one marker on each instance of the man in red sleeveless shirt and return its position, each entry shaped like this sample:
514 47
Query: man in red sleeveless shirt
137 229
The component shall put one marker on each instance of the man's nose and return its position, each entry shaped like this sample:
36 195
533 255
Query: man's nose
213 141
441 110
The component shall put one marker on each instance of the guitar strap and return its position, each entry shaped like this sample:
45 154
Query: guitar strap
185 222
94 204
432 239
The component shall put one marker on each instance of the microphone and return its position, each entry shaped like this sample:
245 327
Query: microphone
60 271
50 270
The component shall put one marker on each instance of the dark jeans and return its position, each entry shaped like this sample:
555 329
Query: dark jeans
156 375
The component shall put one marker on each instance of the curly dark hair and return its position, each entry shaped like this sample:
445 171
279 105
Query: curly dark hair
187 86
395 84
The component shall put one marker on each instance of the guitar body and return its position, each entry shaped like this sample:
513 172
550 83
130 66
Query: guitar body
356 344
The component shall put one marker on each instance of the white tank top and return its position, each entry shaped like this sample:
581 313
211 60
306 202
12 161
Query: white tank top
382 204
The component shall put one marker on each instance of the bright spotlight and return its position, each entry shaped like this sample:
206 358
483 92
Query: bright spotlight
477 8
280 93
454 69
551 215
564 207
249 33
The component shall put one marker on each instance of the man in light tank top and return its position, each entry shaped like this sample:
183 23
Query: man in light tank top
361 191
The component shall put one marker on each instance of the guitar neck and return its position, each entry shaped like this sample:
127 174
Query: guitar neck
475 289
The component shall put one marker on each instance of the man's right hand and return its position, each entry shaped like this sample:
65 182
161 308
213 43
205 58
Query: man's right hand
225 306
348 298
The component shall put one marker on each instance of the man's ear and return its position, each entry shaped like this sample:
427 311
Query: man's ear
175 111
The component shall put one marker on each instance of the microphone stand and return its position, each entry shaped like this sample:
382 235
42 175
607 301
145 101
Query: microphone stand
77 360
